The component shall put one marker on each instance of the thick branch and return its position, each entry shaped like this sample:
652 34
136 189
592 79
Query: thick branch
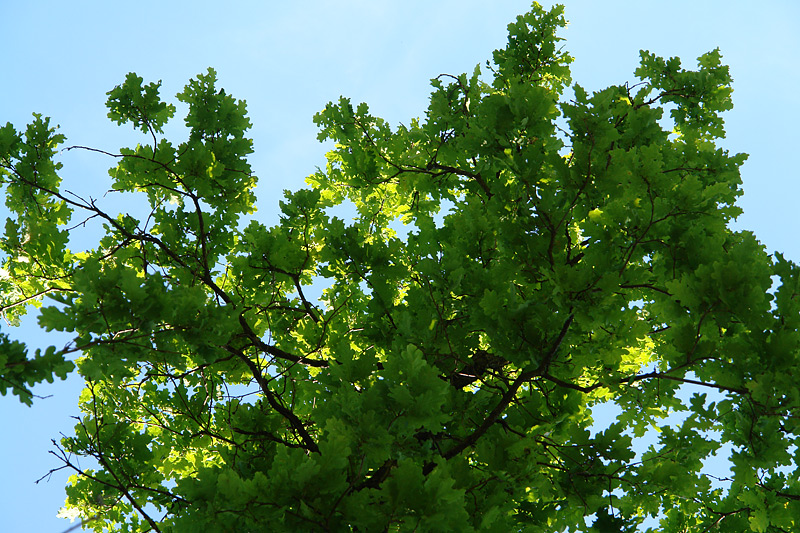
293 420
494 415
510 394
277 352
458 172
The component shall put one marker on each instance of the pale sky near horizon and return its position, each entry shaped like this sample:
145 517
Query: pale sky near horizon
287 62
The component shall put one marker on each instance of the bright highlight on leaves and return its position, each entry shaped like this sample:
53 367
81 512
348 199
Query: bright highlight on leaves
445 380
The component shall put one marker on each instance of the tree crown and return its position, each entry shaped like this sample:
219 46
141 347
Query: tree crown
515 261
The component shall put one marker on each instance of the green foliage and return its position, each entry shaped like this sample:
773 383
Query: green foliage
562 253
140 105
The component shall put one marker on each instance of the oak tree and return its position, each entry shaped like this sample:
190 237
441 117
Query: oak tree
422 341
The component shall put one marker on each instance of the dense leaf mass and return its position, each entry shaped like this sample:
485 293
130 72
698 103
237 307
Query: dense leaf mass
510 264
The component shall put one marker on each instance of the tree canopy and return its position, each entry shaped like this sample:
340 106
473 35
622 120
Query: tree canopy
421 342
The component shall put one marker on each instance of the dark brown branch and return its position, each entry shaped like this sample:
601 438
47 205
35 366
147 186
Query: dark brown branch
377 477
642 377
465 173
32 297
645 286
545 364
662 375
494 415
572 386
510 394
287 413
309 308
277 352
267 435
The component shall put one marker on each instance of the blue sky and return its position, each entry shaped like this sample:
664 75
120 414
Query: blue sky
288 59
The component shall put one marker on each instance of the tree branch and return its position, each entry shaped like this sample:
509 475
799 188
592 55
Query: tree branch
510 394
293 420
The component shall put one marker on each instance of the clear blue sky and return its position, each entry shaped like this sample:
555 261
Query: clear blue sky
60 58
